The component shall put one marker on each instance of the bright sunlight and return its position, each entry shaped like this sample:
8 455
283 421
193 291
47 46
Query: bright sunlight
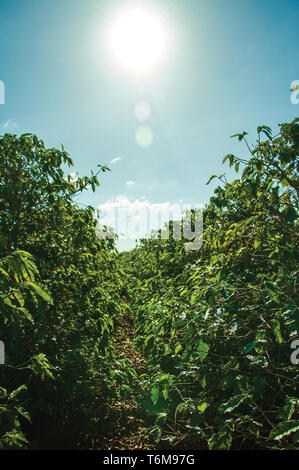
137 40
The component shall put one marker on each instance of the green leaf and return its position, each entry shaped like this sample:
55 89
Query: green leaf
3 392
257 243
165 393
24 413
284 429
211 178
203 349
249 347
240 136
14 393
155 394
276 330
203 381
232 403
39 291
202 406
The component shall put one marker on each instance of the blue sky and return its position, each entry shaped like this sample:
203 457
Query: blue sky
228 68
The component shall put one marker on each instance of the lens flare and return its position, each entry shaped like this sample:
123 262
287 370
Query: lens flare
144 136
142 111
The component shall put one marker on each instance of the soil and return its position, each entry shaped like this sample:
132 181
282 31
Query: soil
124 427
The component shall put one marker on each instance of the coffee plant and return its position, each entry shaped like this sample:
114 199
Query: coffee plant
216 325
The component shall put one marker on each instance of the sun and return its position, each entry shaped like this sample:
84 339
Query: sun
137 39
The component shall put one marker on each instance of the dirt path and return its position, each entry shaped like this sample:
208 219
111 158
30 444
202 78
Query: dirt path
125 428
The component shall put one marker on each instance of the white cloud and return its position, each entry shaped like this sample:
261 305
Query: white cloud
124 202
116 159
130 183
9 124
137 218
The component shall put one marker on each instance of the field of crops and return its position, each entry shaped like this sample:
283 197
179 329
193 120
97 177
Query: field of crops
161 346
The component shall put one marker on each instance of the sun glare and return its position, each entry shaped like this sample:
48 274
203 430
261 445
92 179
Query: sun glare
137 40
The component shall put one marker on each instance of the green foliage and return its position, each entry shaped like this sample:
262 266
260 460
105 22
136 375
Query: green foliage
58 303
216 325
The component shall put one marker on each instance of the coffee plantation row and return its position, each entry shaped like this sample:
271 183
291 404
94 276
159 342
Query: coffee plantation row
216 326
